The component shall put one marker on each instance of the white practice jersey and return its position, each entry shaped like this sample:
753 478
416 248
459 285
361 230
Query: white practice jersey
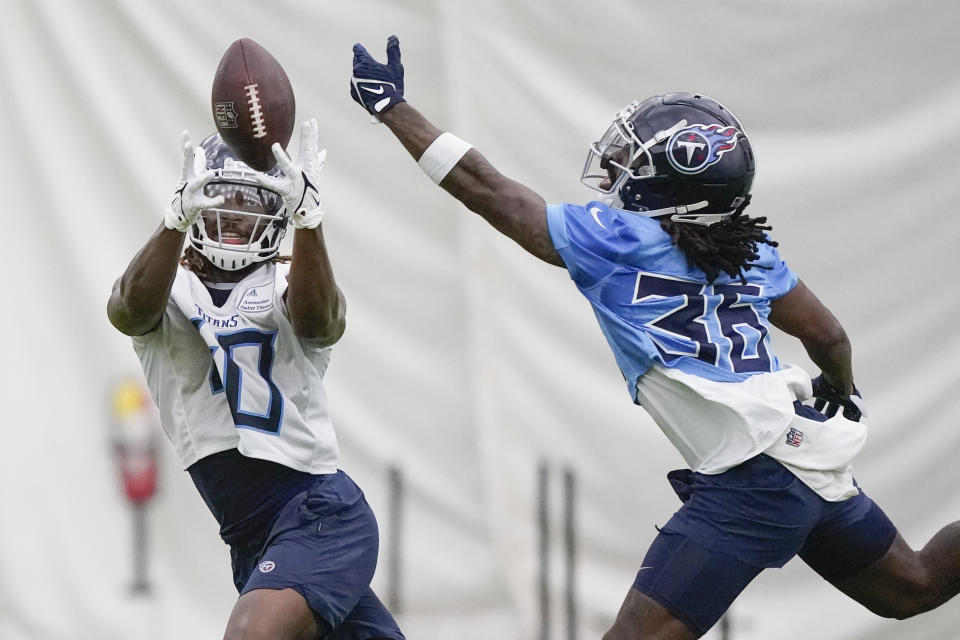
237 376
717 425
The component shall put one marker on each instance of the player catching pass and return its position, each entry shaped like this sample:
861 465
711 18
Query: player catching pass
685 287
234 345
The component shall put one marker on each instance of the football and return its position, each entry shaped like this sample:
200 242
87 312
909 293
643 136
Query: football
253 104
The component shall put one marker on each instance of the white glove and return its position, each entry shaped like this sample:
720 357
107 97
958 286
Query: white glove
189 199
298 184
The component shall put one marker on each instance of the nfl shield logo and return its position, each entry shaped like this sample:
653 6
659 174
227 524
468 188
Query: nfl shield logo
794 437
225 115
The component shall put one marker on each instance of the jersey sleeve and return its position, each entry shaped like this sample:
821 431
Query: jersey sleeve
587 246
280 284
280 287
780 279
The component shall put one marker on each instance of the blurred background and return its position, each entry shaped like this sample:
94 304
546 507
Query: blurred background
475 399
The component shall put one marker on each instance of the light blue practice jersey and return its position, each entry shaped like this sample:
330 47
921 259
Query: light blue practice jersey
655 305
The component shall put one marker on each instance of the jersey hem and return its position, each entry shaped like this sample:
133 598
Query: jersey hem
317 470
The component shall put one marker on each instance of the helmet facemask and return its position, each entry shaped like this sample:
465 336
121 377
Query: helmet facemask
248 227
621 154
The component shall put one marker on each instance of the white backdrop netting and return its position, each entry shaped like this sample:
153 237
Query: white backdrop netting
466 362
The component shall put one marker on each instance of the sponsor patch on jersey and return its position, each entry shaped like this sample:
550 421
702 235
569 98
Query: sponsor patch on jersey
266 566
699 146
256 300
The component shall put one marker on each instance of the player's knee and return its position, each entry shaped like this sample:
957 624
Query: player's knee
901 609
249 628
917 605
911 598
621 631
615 633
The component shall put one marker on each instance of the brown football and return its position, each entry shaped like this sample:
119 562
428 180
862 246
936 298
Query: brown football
253 104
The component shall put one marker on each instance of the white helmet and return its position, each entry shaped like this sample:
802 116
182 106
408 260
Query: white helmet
249 225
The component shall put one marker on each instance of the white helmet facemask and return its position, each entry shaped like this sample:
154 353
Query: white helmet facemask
250 224
620 154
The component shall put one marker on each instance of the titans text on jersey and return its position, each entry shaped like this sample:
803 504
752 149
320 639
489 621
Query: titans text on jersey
236 376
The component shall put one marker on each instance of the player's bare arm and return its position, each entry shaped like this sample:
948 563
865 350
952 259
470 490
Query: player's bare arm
140 294
512 208
316 305
315 302
801 314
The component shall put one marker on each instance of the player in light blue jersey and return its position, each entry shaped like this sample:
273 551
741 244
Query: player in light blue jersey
685 287
234 345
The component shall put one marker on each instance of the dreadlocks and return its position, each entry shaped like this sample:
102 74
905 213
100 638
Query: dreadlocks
194 261
729 245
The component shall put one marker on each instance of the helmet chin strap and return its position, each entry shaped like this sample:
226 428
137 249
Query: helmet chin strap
705 219
681 213
613 201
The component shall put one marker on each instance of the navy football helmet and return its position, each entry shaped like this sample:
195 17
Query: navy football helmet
678 154
249 225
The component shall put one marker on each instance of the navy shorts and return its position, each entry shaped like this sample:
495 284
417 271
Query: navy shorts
756 515
324 545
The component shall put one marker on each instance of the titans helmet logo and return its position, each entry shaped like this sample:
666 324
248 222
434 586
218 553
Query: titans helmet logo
693 149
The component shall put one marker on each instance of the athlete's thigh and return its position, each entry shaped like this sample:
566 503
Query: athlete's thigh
691 585
369 619
731 526
858 550
271 614
642 617
892 585
323 546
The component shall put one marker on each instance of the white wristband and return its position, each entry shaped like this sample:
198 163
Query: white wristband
442 155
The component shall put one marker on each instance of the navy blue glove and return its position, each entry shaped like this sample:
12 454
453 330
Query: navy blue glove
829 401
376 86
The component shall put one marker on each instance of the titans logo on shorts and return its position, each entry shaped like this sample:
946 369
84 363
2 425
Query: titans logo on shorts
324 545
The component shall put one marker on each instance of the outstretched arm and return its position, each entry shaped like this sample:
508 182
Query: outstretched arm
314 301
316 304
803 316
512 208
140 295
